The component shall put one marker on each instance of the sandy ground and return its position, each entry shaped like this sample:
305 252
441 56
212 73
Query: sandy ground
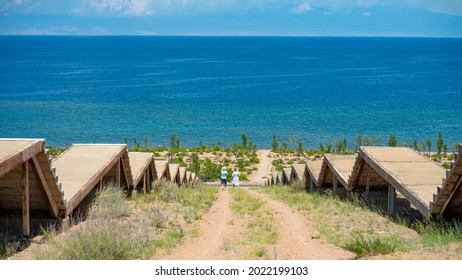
220 225
214 227
264 168
297 239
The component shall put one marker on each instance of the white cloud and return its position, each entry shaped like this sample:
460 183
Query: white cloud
366 3
302 8
130 8
116 7
98 31
367 14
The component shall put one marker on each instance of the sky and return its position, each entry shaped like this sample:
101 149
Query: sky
422 18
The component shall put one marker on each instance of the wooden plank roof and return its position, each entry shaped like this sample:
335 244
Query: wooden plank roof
314 168
182 171
139 163
82 166
174 170
275 178
286 175
161 169
17 151
416 177
448 200
298 171
341 166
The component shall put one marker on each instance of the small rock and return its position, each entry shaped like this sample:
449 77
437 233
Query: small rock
315 235
38 239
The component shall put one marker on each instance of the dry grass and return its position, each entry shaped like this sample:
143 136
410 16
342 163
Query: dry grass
365 231
119 229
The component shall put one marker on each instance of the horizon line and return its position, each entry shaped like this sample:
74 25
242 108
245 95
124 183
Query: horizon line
230 35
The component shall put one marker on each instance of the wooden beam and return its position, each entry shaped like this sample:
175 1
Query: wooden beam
368 178
25 199
144 182
118 173
334 184
311 184
124 170
149 179
391 200
44 184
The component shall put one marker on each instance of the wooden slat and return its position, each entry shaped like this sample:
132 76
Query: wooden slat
43 183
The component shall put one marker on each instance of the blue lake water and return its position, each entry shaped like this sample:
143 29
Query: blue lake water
209 89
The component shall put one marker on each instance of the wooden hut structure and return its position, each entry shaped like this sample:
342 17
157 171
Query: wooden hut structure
188 176
399 169
27 181
143 170
182 173
162 170
312 170
448 200
174 170
336 169
275 178
193 176
269 181
286 173
297 173
84 167
30 181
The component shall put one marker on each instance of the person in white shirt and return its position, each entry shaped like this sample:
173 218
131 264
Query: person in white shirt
235 177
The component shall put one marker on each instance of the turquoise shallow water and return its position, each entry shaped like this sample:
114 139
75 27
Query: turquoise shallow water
209 89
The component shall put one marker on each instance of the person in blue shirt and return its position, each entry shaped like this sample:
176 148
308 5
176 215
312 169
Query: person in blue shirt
224 178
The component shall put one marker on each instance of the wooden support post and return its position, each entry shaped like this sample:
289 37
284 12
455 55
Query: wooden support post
334 189
311 185
391 200
100 184
118 173
368 178
144 182
149 179
25 199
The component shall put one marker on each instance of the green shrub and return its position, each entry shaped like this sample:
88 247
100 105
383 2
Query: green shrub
364 245
166 191
297 186
447 165
440 233
110 202
106 235
101 240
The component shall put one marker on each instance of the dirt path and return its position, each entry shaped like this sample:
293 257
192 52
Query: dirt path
264 168
220 225
214 227
296 234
